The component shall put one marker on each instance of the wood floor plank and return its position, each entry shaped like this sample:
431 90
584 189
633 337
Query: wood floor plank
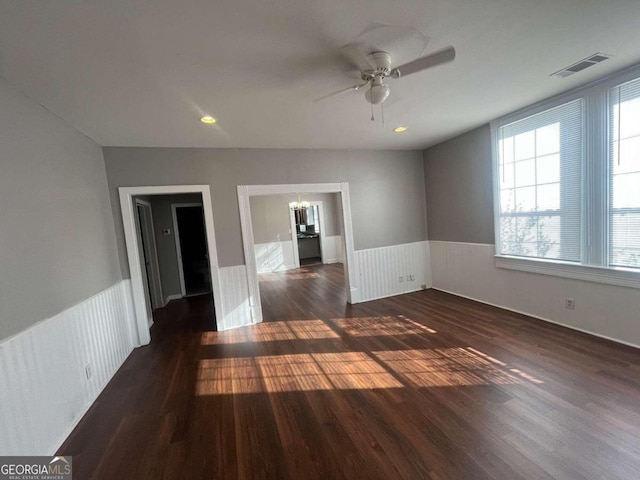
423 385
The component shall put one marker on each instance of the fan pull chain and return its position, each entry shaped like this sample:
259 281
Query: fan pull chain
382 111
372 119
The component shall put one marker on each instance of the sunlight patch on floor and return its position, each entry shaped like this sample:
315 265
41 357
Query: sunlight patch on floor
287 373
388 325
271 332
447 367
442 367
269 277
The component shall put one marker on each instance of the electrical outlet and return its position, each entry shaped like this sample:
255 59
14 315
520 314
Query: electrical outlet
88 372
424 286
401 279
570 304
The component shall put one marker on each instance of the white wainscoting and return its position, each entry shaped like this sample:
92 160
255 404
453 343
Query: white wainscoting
381 268
44 390
235 297
279 256
469 270
333 250
274 256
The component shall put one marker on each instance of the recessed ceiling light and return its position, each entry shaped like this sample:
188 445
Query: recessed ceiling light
400 129
208 120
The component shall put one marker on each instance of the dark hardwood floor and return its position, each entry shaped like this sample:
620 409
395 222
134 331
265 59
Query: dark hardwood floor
424 385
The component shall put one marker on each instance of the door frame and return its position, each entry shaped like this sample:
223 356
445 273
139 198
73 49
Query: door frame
157 301
294 236
176 236
244 206
139 328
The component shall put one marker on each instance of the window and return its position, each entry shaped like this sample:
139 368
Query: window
624 179
567 184
540 161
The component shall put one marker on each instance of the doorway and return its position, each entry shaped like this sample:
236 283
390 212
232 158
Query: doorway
139 327
246 194
191 248
308 233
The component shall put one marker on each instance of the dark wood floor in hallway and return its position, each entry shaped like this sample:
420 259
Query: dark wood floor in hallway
423 385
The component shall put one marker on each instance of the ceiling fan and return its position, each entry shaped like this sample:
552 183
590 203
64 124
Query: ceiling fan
381 69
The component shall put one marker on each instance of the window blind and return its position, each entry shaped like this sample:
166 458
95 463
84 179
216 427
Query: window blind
540 181
624 175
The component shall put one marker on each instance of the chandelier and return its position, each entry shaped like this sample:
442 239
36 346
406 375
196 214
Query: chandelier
299 205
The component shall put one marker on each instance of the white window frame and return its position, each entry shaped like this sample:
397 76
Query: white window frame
595 188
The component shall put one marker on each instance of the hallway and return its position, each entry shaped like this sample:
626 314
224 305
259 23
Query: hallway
424 385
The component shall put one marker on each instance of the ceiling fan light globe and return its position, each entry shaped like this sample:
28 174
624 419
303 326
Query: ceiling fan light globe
377 94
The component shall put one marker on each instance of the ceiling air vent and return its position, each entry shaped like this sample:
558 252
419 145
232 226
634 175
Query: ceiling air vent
581 65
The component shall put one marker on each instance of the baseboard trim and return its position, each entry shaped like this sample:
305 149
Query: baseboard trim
332 260
175 296
570 327
284 268
394 295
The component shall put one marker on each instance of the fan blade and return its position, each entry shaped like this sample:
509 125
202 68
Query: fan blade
438 58
352 87
354 59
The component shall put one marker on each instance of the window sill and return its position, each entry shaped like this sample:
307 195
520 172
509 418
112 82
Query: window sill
612 276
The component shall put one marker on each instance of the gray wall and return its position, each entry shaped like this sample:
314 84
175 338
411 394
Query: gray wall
387 187
166 244
57 241
270 215
459 188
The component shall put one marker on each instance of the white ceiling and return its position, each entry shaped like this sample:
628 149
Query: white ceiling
141 73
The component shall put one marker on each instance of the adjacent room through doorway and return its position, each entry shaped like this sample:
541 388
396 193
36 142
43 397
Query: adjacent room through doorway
307 221
174 256
293 230
191 249
298 246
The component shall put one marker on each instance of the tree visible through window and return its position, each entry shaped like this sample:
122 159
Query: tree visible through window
539 184
567 181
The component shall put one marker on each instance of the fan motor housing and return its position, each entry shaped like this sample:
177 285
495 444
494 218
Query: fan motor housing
382 61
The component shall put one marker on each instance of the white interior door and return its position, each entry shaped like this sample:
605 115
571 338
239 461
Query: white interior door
323 234
294 238
143 262
149 254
